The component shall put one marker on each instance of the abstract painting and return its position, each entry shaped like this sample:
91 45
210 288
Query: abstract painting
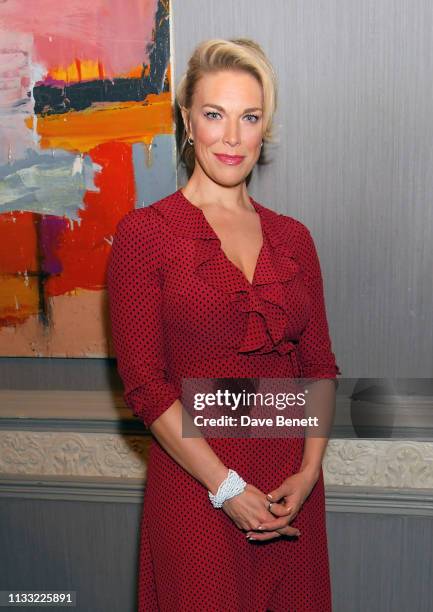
86 134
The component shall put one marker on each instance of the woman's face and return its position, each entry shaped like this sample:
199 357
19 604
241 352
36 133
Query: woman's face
226 119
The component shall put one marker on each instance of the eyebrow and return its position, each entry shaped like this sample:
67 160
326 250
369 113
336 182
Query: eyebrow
247 110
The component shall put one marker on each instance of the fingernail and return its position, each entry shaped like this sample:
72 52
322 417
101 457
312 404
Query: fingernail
298 533
250 538
260 527
269 495
288 509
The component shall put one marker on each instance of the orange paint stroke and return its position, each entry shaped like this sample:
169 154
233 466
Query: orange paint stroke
19 298
126 122
89 70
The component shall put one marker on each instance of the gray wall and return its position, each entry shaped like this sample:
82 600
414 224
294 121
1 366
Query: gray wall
353 164
379 561
354 161
61 545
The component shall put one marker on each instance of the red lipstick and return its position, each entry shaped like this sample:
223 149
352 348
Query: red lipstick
230 160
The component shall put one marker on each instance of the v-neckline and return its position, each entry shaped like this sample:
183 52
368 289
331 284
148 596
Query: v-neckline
249 283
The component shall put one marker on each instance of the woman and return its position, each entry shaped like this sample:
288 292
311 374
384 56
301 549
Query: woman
207 282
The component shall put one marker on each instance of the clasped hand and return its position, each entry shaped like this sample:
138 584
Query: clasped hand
250 509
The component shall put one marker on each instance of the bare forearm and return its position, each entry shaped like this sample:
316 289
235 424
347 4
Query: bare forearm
314 451
193 454
321 403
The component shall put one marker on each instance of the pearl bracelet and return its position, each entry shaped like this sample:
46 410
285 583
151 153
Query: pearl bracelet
231 486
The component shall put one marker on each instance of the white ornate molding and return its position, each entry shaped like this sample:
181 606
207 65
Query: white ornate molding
379 463
73 454
359 463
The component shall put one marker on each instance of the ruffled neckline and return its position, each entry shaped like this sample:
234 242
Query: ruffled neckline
262 300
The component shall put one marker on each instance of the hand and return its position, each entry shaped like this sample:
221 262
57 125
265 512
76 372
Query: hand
248 509
286 501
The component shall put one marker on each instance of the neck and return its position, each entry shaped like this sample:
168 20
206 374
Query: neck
203 191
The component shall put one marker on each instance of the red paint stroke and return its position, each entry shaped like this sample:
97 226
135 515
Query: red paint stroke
83 250
18 242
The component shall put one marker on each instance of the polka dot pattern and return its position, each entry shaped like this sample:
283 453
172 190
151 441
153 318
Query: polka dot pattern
180 308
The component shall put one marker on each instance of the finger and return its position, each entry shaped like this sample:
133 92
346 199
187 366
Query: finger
290 512
290 531
286 530
271 525
263 536
278 524
281 509
275 495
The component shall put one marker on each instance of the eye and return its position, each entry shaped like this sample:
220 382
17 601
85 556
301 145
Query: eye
211 114
252 118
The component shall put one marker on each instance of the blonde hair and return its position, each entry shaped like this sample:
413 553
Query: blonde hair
219 54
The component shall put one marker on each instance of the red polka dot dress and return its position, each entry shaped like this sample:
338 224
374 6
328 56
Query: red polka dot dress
180 308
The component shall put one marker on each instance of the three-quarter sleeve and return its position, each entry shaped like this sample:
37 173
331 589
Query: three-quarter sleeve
135 300
315 347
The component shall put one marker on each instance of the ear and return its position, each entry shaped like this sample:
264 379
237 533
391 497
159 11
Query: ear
185 117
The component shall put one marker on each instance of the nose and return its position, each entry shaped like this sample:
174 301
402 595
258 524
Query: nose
232 133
